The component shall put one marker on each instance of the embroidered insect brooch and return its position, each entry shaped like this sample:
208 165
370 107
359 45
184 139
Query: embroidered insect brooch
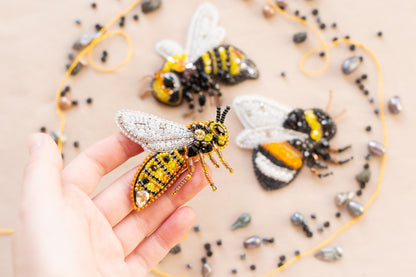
193 72
174 148
283 140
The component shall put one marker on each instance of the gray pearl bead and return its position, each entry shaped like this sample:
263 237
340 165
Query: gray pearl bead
343 198
395 105
252 242
376 148
150 5
242 221
85 40
351 64
297 219
355 208
299 37
206 270
364 176
328 254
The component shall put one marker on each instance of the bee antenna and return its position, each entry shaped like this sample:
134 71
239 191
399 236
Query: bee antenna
218 113
227 109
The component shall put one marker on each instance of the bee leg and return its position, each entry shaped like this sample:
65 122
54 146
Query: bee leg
336 161
222 159
145 93
321 166
204 168
339 150
191 168
319 174
213 160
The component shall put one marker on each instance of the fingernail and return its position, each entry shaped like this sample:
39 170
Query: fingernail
35 142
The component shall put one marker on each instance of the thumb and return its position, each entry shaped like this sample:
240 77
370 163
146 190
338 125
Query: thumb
42 180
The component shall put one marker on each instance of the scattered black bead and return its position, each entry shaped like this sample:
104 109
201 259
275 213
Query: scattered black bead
98 27
297 252
322 26
366 92
359 193
303 18
233 271
42 129
376 111
89 100
366 166
76 144
318 19
136 17
358 81
209 253
219 242
207 246
352 47
74 102
361 58
364 76
368 128
252 267
268 240
371 99
367 157
326 224
309 234
105 53
196 228
335 39
204 260
121 23
315 12
93 5
380 34
313 216
338 215
243 256
347 37
63 93
322 54
78 21
279 264
282 258
362 186
103 59
297 12
283 74
71 56
361 87
334 25
189 266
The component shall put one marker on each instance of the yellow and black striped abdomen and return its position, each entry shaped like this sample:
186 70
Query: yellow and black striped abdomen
227 64
276 164
156 174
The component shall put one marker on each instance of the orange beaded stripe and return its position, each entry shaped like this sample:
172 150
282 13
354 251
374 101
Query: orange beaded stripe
285 153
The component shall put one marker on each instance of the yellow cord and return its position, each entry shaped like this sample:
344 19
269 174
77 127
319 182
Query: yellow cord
6 232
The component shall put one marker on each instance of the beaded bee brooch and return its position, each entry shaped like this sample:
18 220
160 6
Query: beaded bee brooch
174 148
283 140
196 69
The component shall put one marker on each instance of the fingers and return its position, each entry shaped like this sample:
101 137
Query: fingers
91 165
114 201
137 225
41 181
148 254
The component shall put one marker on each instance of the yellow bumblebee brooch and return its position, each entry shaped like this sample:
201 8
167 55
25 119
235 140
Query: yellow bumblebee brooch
173 147
192 72
284 139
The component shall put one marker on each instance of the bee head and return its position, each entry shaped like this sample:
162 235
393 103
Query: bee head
218 129
167 88
329 128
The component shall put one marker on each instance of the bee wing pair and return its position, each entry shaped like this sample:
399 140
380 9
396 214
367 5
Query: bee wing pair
203 35
153 133
263 121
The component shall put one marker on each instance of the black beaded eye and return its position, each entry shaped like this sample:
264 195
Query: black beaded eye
219 129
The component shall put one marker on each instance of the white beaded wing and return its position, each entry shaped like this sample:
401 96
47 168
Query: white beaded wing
167 48
153 133
203 33
256 111
251 138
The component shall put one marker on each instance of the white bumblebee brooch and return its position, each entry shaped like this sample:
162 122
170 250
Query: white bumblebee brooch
283 140
173 148
191 73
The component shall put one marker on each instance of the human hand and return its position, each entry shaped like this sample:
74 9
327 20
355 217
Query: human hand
63 232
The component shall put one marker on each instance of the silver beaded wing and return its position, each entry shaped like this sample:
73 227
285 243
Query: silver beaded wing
263 120
203 35
153 133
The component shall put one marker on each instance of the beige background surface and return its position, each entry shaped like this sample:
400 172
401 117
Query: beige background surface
37 35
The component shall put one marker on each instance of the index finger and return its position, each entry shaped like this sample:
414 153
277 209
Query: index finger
87 169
